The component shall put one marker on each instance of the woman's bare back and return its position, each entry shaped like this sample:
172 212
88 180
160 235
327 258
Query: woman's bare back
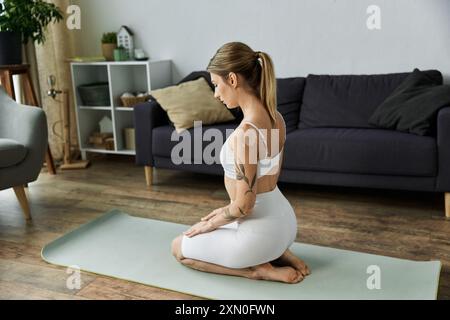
267 182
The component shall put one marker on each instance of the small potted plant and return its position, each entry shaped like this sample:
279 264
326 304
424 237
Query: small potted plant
109 43
21 21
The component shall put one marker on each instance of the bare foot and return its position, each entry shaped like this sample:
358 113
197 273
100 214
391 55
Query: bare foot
267 271
289 259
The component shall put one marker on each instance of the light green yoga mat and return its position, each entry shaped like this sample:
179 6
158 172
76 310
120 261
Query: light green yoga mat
139 250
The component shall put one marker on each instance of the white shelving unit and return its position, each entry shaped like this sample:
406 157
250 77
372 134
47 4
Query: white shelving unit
121 77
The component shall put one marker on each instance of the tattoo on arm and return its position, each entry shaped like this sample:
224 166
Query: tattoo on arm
240 175
227 214
229 217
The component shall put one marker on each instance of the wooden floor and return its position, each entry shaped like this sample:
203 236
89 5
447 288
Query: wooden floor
408 225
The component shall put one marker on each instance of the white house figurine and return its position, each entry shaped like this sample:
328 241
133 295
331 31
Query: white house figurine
106 124
125 39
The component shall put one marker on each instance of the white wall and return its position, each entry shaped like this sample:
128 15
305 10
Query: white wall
302 36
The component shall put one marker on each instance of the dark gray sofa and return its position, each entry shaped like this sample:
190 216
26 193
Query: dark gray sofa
329 140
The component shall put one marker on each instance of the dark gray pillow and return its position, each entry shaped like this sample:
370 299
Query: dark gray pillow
413 105
289 99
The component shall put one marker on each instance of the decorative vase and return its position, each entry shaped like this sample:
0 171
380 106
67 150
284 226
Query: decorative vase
10 48
120 54
108 50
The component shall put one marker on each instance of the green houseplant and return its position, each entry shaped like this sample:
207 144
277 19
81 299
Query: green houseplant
21 21
109 43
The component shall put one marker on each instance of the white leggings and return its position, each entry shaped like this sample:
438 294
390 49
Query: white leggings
260 237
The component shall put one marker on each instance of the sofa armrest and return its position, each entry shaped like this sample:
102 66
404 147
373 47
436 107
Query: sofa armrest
28 126
147 115
443 146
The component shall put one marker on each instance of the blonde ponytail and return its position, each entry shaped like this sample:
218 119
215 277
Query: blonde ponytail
268 85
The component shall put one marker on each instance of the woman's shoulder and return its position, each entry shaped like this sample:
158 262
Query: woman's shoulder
260 123
243 130
280 117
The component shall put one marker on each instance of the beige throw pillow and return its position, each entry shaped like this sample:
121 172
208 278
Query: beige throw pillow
191 101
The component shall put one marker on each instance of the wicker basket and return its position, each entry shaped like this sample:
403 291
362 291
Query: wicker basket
130 102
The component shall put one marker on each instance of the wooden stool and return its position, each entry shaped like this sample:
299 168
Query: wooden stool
6 79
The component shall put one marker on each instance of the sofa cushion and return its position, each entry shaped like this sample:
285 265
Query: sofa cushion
11 152
162 144
198 74
191 101
346 100
289 99
236 112
360 151
413 105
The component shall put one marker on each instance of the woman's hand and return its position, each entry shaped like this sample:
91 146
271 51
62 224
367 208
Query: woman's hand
212 214
198 228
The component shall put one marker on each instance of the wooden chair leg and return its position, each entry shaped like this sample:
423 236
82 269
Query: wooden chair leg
149 175
447 204
7 81
49 161
21 196
30 96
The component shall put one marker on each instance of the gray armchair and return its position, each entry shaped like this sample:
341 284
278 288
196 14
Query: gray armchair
23 142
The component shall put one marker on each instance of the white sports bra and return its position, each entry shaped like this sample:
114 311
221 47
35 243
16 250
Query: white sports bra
266 165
